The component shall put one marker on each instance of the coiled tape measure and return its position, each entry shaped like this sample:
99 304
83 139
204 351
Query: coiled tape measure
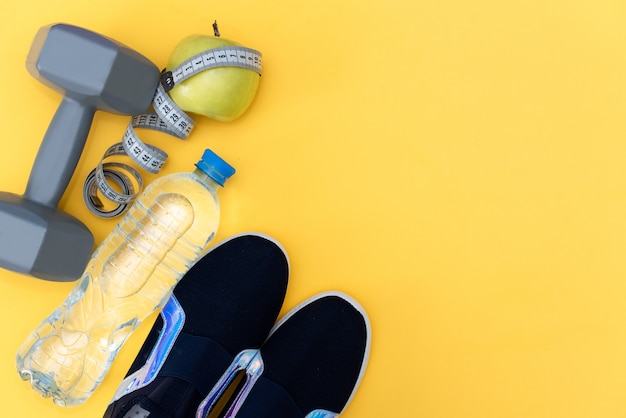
166 117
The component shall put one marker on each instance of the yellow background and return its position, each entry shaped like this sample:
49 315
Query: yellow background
459 167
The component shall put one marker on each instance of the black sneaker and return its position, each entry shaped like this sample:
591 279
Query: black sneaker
225 304
310 366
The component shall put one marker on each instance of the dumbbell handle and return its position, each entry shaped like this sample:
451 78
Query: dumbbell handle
59 152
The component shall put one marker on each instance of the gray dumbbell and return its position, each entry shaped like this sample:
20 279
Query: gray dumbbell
92 72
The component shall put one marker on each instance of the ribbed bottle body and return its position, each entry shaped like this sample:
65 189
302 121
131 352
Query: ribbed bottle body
130 275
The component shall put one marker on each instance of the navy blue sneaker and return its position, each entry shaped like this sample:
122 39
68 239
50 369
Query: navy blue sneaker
225 304
309 367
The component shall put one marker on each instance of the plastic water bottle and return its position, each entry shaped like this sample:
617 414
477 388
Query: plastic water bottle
130 275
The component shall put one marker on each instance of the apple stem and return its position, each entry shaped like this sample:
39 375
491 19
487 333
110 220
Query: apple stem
216 31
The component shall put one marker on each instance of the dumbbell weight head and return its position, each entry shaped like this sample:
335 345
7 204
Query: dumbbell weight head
92 72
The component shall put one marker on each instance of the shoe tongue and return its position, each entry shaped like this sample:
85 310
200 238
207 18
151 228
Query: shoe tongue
137 412
172 398
144 408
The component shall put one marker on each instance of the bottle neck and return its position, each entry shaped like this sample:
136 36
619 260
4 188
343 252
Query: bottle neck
205 178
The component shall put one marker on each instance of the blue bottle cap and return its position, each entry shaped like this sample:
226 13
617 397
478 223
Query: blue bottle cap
216 168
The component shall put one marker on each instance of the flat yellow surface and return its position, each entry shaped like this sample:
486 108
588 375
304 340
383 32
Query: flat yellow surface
458 167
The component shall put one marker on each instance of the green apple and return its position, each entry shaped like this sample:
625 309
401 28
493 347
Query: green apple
222 93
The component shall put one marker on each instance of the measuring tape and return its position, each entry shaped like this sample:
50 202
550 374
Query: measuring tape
166 117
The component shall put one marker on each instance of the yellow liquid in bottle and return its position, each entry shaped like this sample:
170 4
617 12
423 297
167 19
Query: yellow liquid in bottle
130 276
